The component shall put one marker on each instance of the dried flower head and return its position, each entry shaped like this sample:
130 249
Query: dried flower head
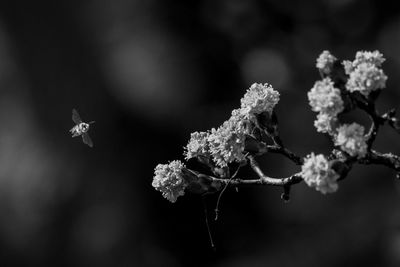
325 62
324 97
317 172
168 179
351 139
259 98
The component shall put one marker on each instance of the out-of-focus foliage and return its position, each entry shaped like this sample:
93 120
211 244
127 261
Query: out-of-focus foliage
150 73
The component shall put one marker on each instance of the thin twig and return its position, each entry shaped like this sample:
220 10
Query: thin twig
392 120
376 119
373 131
293 179
389 160
277 140
292 156
223 190
207 224
283 151
256 168
263 180
373 157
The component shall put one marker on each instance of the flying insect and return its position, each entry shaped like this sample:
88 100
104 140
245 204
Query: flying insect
81 128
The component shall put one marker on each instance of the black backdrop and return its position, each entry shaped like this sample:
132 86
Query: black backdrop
150 73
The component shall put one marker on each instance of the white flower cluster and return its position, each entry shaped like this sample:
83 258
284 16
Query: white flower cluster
226 143
365 74
325 99
259 98
317 172
168 179
326 123
351 139
325 62
375 58
198 145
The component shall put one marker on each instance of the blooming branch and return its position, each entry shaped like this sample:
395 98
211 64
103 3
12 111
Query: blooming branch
344 86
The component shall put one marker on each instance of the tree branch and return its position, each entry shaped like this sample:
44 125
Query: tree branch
376 119
389 160
265 180
392 120
283 151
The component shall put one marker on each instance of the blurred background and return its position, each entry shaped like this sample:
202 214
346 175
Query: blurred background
150 73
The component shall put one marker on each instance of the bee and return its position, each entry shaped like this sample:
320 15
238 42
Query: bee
81 128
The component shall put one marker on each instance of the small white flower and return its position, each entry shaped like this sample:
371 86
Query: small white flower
259 98
168 179
325 62
197 145
324 97
325 123
351 139
316 172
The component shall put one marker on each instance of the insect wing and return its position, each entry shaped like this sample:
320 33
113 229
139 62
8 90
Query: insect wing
75 116
87 140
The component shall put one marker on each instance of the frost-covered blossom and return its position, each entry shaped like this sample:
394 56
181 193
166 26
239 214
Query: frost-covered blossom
168 179
324 97
325 62
351 139
366 78
365 74
197 145
325 123
317 172
259 98
228 141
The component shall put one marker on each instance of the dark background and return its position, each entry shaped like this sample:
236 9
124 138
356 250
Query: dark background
150 73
